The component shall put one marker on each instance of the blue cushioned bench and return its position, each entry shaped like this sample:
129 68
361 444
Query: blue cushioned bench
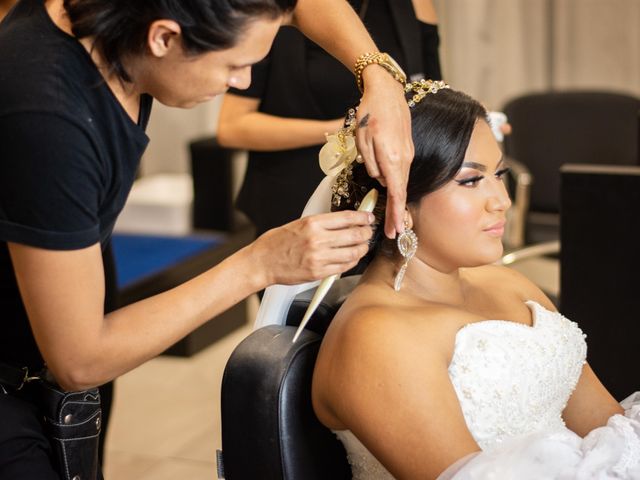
149 264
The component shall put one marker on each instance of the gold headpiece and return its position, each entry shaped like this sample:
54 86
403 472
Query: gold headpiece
422 88
337 155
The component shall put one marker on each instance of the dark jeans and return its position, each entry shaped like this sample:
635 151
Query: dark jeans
25 452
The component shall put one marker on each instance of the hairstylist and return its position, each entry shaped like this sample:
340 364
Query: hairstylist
77 79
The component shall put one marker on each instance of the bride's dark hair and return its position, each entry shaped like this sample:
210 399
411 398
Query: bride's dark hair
441 126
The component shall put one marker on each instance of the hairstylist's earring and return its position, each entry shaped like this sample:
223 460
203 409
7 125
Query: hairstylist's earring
407 246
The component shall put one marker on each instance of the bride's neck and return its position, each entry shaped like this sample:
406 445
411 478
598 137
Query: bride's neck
421 280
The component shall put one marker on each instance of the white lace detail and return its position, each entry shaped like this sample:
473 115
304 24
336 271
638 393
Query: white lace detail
514 379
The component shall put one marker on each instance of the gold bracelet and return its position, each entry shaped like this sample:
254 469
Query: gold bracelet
382 59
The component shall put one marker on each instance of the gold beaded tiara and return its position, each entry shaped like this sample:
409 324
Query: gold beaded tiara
422 88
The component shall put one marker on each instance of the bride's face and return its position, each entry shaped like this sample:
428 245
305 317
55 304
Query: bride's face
462 223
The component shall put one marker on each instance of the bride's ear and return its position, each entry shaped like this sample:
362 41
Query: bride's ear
408 218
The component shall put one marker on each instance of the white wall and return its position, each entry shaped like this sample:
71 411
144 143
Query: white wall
171 130
601 48
496 49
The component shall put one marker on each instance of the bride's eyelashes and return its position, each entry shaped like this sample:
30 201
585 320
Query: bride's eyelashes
502 172
470 181
473 181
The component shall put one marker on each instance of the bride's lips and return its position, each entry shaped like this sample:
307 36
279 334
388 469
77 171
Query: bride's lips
497 229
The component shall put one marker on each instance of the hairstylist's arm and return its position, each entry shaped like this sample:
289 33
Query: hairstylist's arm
385 141
63 292
241 125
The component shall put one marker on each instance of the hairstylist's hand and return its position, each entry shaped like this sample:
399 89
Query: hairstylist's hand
313 247
384 140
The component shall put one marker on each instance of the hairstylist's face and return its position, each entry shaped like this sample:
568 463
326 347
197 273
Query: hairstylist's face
462 223
178 79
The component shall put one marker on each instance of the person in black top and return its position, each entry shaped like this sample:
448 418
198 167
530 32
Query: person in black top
299 93
77 78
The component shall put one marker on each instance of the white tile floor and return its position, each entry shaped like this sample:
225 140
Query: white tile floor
166 417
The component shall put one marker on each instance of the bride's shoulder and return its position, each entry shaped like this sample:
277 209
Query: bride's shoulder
430 326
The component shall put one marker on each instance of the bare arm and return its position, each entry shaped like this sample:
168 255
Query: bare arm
5 6
240 125
425 11
385 143
392 390
63 292
590 405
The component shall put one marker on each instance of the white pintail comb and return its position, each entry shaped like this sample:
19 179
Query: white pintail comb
367 205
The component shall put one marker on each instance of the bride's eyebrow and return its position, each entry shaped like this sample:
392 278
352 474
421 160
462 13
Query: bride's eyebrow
474 165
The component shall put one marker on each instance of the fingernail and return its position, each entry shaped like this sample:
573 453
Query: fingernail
372 217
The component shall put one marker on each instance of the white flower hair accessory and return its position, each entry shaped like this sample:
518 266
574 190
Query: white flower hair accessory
340 149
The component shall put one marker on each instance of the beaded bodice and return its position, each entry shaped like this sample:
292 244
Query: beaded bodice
511 379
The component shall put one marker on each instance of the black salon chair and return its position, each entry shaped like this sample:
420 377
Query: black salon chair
269 429
554 128
551 129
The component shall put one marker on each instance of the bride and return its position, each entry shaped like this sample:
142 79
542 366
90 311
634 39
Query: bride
440 361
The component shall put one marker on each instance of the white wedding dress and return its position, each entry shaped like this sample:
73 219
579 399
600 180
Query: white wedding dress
513 382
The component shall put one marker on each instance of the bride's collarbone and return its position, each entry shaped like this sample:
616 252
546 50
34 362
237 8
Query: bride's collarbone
452 317
481 302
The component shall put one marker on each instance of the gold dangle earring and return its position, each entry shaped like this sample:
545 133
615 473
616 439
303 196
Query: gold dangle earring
407 246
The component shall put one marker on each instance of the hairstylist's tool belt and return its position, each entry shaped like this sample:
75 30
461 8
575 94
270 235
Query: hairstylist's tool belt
72 421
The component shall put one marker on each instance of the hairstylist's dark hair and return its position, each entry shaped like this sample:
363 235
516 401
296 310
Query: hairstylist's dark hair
441 126
119 27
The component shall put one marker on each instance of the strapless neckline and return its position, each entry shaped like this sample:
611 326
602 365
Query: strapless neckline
499 369
534 307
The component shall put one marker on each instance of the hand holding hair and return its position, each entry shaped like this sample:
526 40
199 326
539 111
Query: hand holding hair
313 247
385 140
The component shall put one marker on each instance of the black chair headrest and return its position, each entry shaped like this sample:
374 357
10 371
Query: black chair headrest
330 305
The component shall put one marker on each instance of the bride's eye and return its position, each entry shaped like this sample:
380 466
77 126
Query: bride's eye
470 181
501 173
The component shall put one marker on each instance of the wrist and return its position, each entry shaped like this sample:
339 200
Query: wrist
379 63
254 263
375 75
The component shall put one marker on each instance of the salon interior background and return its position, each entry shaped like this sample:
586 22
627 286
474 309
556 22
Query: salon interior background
493 49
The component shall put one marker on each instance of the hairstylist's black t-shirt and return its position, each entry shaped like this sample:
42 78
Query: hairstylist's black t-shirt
68 155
